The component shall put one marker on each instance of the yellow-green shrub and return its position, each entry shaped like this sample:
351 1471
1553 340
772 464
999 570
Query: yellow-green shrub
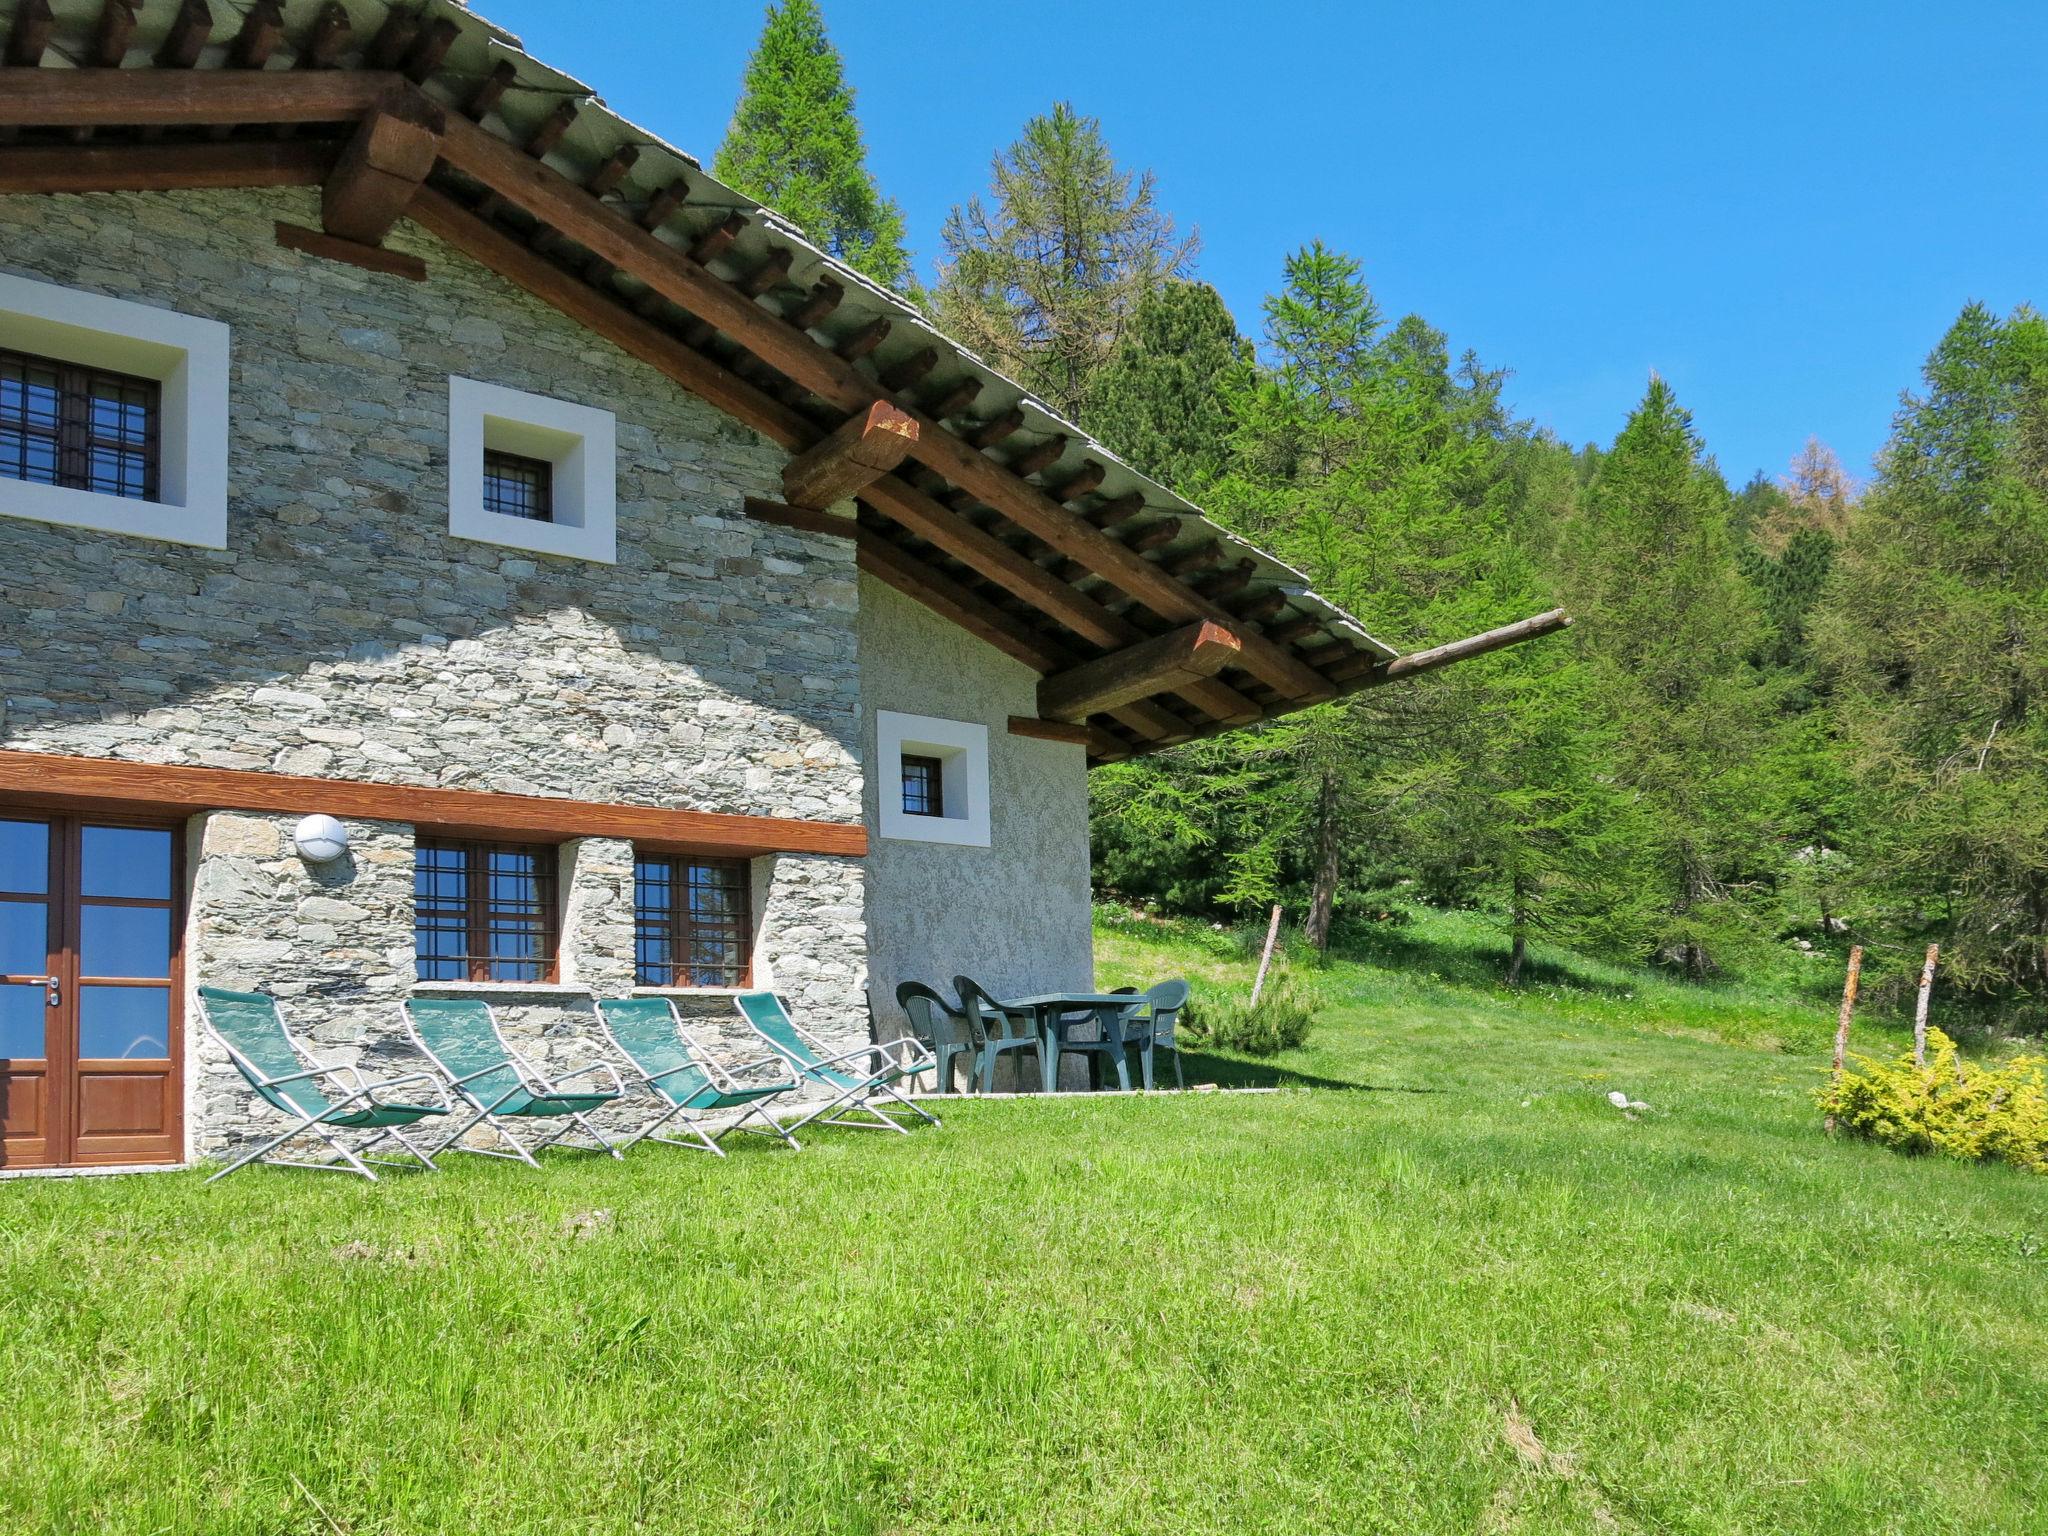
1948 1106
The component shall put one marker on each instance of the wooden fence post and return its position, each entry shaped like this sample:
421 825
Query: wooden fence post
1266 959
1920 1009
1842 1020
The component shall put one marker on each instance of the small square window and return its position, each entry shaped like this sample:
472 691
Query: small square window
924 786
515 486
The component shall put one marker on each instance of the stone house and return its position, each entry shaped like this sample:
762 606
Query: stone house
388 431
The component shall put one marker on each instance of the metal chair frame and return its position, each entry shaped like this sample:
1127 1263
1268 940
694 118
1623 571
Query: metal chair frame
530 1082
859 1093
721 1077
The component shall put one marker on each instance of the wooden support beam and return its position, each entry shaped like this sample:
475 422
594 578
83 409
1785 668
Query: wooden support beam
1120 510
371 258
802 519
1231 582
329 38
902 375
1366 673
1267 605
552 127
162 167
382 167
1082 482
662 206
865 340
1295 629
1036 457
1052 730
995 430
956 399
887 562
112 34
71 98
427 54
1157 536
110 784
714 241
824 297
864 449
490 90
614 170
769 273
1165 662
30 34
261 31
1200 558
186 40
394 40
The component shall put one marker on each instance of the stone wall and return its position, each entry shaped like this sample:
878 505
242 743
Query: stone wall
344 632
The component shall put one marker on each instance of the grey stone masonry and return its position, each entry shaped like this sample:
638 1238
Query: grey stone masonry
344 633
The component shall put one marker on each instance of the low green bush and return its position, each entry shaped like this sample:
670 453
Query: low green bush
1958 1109
1279 1022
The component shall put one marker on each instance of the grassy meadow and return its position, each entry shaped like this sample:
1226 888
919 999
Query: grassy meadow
1437 1283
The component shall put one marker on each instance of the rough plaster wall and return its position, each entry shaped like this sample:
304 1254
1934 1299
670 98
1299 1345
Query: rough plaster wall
345 634
1014 915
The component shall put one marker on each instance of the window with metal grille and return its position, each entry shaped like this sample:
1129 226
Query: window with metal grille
483 912
924 786
691 922
84 428
517 486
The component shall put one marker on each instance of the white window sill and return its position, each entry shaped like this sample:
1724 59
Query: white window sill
500 988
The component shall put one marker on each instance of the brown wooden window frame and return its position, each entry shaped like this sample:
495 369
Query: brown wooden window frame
502 468
485 914
928 774
678 927
74 436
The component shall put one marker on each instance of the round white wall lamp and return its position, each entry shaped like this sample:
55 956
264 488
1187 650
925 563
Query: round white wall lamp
320 839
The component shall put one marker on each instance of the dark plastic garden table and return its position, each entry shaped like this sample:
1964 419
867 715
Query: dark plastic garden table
1045 1010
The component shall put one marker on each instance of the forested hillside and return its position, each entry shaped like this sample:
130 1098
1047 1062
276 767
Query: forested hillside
1790 714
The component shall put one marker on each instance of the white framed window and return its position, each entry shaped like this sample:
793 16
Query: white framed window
529 472
932 779
113 415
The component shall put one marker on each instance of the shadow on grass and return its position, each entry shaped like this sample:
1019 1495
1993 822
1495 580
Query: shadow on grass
1232 1072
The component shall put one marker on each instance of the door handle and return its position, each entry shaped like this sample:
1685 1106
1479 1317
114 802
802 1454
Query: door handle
53 990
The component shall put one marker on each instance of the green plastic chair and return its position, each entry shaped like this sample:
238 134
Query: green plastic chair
939 1027
250 1027
1161 1011
461 1037
851 1088
649 1033
996 1030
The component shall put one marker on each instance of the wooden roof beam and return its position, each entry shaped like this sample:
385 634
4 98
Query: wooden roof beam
1366 672
394 40
162 167
769 274
382 167
427 54
824 297
955 400
186 40
329 38
716 240
1038 456
544 138
865 448
613 171
662 206
902 375
30 34
72 98
865 340
1186 655
922 583
261 31
112 34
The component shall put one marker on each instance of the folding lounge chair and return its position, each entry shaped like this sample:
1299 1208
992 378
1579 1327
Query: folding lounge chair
250 1026
649 1033
460 1035
854 1078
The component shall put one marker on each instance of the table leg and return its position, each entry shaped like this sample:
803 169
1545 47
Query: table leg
1048 1048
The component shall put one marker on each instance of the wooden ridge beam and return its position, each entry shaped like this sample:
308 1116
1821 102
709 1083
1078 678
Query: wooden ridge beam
72 98
382 167
109 783
861 451
1186 655
162 167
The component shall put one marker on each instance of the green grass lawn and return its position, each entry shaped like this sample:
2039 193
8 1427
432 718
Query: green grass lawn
1436 1285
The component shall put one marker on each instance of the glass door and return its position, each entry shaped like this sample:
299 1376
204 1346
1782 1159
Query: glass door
90 1051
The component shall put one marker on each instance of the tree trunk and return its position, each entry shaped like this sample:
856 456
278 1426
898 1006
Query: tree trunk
1518 927
1322 904
1920 1008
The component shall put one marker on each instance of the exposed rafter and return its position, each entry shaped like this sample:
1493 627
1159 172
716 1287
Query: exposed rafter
1184 656
867 447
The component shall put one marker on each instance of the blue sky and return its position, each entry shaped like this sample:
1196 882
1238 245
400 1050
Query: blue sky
1777 207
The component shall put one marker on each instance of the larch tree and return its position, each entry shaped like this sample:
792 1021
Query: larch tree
795 145
1044 276
1160 401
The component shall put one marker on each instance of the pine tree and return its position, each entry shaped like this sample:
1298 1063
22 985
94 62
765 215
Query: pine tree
795 145
1044 279
1160 400
1937 625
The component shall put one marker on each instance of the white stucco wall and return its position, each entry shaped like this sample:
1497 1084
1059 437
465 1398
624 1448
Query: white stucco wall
1014 915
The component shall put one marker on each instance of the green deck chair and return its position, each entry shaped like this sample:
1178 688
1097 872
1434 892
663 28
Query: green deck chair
250 1027
649 1033
852 1088
460 1035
